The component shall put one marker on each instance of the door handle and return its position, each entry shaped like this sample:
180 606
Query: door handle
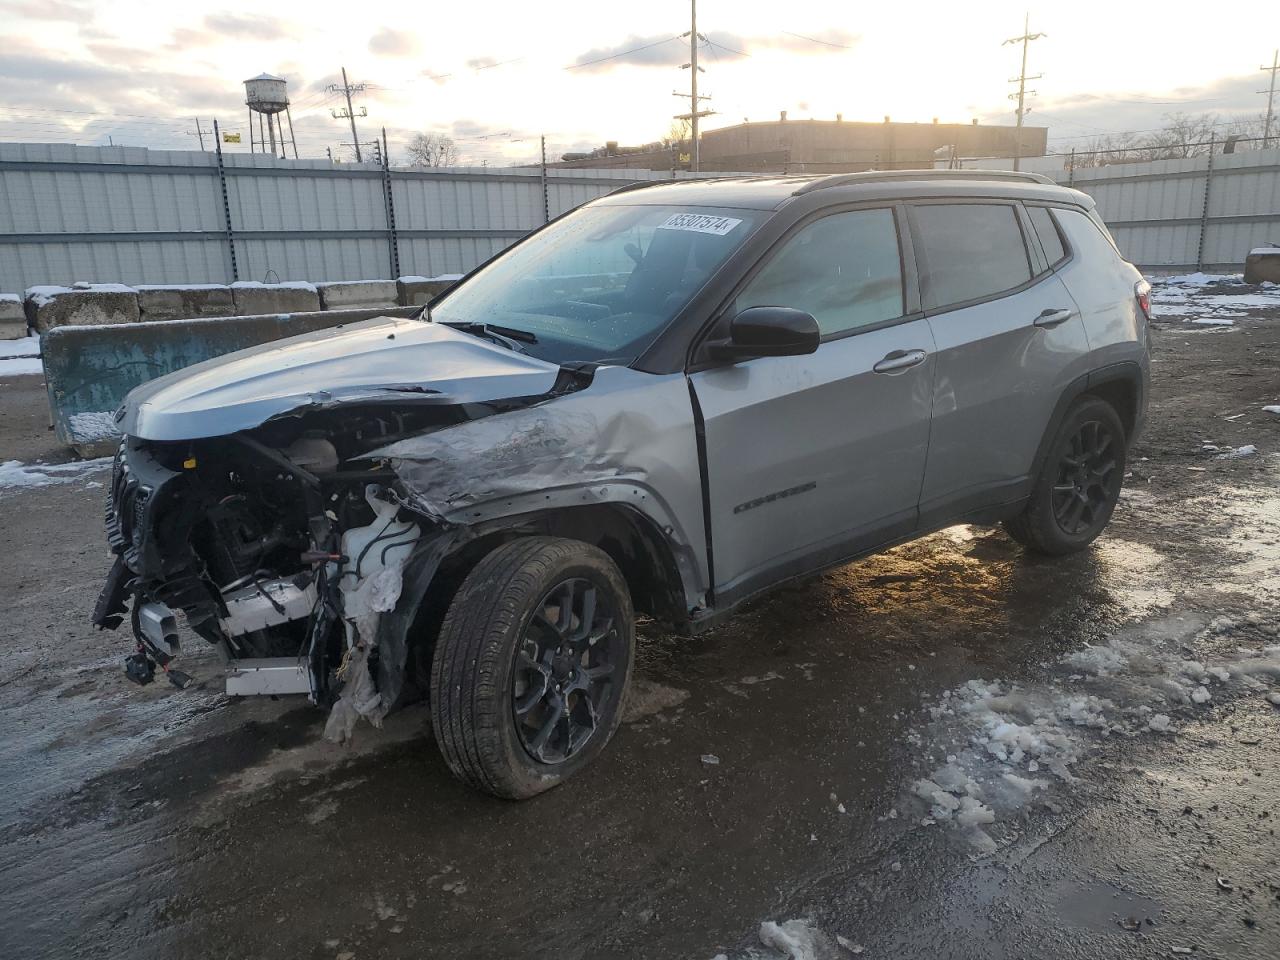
899 360
1051 318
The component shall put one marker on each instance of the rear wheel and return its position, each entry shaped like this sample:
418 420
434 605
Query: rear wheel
1079 483
531 665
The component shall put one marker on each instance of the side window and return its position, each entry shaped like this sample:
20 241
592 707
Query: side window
1086 237
1047 231
972 250
844 269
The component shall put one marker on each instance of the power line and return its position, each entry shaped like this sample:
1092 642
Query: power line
624 53
825 43
1271 98
347 89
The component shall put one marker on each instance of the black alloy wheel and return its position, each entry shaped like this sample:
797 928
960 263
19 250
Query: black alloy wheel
565 670
1086 487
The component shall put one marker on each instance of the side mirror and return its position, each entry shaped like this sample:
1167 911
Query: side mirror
767 332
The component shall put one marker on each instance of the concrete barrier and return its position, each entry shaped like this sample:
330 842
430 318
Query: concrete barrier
185 302
355 294
1262 264
417 291
89 370
255 299
13 319
84 305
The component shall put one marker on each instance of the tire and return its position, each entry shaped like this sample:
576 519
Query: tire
506 646
1073 472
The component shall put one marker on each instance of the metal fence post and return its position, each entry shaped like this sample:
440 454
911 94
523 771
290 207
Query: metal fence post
546 201
393 240
1071 168
226 200
1204 210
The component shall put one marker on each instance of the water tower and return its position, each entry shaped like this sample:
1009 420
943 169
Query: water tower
268 97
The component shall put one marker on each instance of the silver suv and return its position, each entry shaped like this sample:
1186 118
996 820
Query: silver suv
668 400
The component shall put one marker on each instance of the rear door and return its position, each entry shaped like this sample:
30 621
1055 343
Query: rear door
1009 340
811 458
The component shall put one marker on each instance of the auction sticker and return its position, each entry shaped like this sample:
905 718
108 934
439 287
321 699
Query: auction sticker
699 223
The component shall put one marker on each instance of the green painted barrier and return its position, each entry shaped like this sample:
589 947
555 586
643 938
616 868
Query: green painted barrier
89 370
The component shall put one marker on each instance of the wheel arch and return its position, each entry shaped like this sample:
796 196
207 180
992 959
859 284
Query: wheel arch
1119 384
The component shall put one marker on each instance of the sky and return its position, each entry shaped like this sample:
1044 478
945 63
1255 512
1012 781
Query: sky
495 75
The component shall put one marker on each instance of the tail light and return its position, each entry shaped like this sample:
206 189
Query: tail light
1142 290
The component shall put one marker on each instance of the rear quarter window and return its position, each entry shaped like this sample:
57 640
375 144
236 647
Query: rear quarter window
1047 231
971 251
1085 236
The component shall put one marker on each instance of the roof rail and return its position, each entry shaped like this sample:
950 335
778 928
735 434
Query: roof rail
882 176
641 184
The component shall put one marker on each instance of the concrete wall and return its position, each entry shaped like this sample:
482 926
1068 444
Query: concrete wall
46 308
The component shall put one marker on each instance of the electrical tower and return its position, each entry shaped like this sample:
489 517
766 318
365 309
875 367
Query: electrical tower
347 89
1271 99
1021 80
694 114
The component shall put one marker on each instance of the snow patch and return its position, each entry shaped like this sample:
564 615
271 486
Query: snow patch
93 425
998 736
15 474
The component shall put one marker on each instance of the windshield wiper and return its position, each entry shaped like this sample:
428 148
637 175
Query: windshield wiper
493 331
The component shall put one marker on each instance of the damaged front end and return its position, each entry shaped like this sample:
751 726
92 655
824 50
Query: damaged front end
282 546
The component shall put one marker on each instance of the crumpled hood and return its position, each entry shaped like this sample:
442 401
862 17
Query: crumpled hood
368 361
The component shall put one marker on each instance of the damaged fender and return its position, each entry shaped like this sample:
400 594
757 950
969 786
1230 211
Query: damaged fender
627 439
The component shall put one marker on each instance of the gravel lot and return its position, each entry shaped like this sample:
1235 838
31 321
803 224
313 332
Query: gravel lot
949 750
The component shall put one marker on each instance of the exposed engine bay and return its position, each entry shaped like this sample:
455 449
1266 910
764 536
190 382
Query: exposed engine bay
283 546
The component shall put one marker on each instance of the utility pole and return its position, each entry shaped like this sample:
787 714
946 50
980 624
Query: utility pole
349 114
694 114
693 84
1271 99
199 133
1021 80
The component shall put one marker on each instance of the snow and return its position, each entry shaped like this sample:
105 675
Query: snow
17 475
181 286
286 285
1272 409
1248 450
1265 252
22 347
44 293
10 298
794 939
1007 744
20 357
440 278
1197 279
1215 321
95 425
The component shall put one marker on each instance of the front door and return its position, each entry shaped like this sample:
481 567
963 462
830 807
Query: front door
811 459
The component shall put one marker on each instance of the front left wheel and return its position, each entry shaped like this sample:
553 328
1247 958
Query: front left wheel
531 665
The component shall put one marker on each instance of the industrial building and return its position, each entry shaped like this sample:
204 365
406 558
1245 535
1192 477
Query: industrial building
826 146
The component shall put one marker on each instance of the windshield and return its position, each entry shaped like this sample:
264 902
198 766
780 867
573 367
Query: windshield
601 283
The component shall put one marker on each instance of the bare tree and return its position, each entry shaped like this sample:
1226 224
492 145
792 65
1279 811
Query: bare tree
432 150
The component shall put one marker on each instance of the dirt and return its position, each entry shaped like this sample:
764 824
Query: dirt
154 822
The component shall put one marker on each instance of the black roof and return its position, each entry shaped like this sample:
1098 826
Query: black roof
769 193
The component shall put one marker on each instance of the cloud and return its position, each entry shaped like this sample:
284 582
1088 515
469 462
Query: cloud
661 50
480 63
53 10
240 27
393 43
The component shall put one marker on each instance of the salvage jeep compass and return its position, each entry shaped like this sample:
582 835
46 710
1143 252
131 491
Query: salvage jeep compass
668 400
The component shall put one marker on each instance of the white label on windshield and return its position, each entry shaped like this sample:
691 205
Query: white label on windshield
699 223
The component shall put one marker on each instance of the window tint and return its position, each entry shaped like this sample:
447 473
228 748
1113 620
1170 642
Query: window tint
972 249
844 269
1042 219
1086 237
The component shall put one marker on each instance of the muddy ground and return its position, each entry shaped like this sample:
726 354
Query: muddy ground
163 823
